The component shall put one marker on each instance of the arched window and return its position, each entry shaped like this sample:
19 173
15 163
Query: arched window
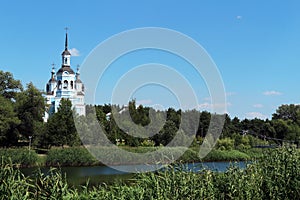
66 60
65 84
72 85
47 88
59 85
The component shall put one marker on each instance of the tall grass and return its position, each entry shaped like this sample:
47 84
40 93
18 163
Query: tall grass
21 156
275 176
79 156
76 156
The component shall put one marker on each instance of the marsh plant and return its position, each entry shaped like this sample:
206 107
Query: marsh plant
274 176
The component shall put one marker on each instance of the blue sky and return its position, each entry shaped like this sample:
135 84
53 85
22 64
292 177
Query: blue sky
255 44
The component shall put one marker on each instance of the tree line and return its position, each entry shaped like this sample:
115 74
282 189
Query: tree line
22 111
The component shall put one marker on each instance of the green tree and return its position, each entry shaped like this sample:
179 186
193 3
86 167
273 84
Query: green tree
281 129
9 87
30 107
174 116
203 123
8 123
165 136
288 112
60 129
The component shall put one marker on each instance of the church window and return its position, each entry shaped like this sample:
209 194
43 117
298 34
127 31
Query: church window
72 85
66 60
48 89
59 85
65 84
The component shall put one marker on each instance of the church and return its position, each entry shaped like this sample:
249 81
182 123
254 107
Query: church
65 83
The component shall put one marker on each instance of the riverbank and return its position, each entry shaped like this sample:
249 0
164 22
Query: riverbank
79 156
276 175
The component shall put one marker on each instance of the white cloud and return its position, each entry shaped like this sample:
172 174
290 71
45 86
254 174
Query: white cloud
258 105
217 106
239 17
272 93
74 52
252 115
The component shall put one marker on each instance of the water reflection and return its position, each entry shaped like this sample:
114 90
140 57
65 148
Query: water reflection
103 174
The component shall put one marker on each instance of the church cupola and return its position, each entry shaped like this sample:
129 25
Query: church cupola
66 55
53 74
78 75
50 87
78 83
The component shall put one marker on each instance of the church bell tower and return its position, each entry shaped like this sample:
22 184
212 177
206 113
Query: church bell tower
65 84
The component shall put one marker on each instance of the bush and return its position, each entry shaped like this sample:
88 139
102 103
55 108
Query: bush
73 156
148 143
232 155
22 157
225 144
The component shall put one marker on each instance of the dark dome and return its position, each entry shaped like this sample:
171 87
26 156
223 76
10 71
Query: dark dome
65 68
66 52
52 80
78 81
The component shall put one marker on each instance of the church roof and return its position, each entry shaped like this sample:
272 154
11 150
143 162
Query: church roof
65 68
80 93
52 80
66 52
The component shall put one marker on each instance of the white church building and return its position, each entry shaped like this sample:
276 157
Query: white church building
65 83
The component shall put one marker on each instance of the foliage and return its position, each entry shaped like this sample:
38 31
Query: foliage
225 144
60 128
8 123
232 155
9 87
13 184
288 112
281 174
275 176
75 156
30 107
21 156
21 116
148 143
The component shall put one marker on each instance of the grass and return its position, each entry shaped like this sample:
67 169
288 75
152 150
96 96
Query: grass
20 156
275 176
79 156
229 155
76 156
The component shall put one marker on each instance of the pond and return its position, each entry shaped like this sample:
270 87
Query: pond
104 174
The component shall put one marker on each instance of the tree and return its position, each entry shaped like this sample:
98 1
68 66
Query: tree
9 87
288 112
8 123
174 116
60 129
30 107
166 134
203 123
281 128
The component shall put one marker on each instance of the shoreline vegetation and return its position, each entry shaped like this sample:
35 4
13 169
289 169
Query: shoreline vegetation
275 175
80 156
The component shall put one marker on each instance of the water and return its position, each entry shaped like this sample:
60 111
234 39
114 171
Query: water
103 174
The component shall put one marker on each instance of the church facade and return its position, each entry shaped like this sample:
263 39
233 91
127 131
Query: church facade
64 83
